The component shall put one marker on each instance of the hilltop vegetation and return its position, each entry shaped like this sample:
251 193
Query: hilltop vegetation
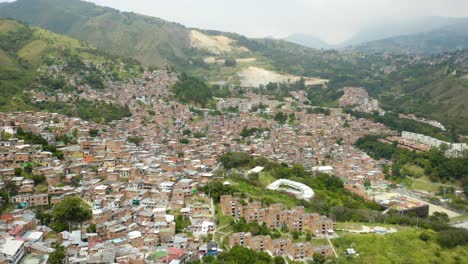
150 40
190 89
444 100
35 60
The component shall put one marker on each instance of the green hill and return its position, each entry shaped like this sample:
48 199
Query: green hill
36 60
150 40
153 41
443 99
448 38
204 53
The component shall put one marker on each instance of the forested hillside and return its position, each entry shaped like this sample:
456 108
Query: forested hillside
38 68
448 38
147 39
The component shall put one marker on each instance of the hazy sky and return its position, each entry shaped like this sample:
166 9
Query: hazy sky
331 20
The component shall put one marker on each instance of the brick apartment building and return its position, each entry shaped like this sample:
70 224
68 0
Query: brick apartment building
278 247
276 216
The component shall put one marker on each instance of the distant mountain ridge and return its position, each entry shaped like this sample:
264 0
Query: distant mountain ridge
308 41
447 38
379 33
390 29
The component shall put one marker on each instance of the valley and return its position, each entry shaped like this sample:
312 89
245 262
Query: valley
126 138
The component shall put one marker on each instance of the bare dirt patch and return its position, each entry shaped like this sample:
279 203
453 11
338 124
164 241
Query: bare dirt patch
214 44
254 76
246 60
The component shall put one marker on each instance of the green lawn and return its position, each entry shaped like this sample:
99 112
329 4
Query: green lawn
401 247
32 52
265 178
8 26
261 193
424 184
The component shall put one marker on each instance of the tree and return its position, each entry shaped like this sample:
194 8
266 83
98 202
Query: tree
186 132
135 140
181 224
38 179
295 234
216 188
319 258
235 159
243 255
18 171
424 236
190 89
91 228
280 117
72 210
439 217
367 183
43 217
58 256
230 62
279 260
93 132
452 237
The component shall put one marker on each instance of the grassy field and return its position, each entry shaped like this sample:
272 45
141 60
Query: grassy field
6 61
401 247
8 26
424 184
266 178
32 52
261 193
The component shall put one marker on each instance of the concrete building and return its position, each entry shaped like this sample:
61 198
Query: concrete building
12 250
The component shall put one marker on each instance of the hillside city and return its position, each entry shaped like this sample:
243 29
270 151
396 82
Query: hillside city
230 157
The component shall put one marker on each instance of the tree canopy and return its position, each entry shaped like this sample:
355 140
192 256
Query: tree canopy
72 210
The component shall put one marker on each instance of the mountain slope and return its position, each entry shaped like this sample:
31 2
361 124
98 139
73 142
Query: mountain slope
444 99
41 70
152 41
307 41
447 38
147 39
391 29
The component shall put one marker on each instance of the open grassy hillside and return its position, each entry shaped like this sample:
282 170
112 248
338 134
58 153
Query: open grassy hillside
35 60
151 40
154 41
405 246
